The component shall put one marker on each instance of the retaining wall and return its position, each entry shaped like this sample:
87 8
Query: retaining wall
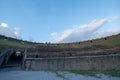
101 62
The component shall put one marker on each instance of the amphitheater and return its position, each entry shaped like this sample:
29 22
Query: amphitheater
97 54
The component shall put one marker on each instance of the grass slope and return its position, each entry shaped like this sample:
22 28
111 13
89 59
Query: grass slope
9 43
111 41
14 43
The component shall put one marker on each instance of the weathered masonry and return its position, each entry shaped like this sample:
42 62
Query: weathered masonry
101 62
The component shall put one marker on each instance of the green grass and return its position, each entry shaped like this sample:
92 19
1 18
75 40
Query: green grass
112 41
109 42
9 43
83 72
14 43
64 46
113 73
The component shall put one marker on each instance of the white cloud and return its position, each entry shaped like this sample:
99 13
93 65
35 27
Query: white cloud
5 25
64 35
17 31
54 34
5 30
84 32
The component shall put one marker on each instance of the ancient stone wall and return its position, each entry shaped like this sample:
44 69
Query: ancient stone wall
101 62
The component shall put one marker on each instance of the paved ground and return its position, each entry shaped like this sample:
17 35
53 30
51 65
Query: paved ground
6 74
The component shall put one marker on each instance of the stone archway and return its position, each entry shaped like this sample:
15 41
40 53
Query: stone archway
15 59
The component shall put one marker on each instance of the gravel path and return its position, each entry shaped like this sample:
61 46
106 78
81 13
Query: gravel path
48 75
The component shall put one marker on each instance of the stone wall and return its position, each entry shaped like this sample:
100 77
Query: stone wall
102 62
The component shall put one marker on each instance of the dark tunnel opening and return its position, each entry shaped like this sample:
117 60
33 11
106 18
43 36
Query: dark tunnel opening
15 59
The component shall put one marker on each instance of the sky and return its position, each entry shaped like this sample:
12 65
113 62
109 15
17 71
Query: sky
59 21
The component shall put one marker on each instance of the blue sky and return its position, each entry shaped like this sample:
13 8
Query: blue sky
59 20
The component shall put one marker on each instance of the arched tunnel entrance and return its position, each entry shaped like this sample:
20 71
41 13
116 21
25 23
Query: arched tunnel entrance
15 59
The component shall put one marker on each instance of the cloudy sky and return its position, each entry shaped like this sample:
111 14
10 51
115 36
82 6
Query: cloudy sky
59 20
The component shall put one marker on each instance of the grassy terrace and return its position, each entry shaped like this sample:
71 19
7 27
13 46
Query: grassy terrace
14 43
111 41
10 43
